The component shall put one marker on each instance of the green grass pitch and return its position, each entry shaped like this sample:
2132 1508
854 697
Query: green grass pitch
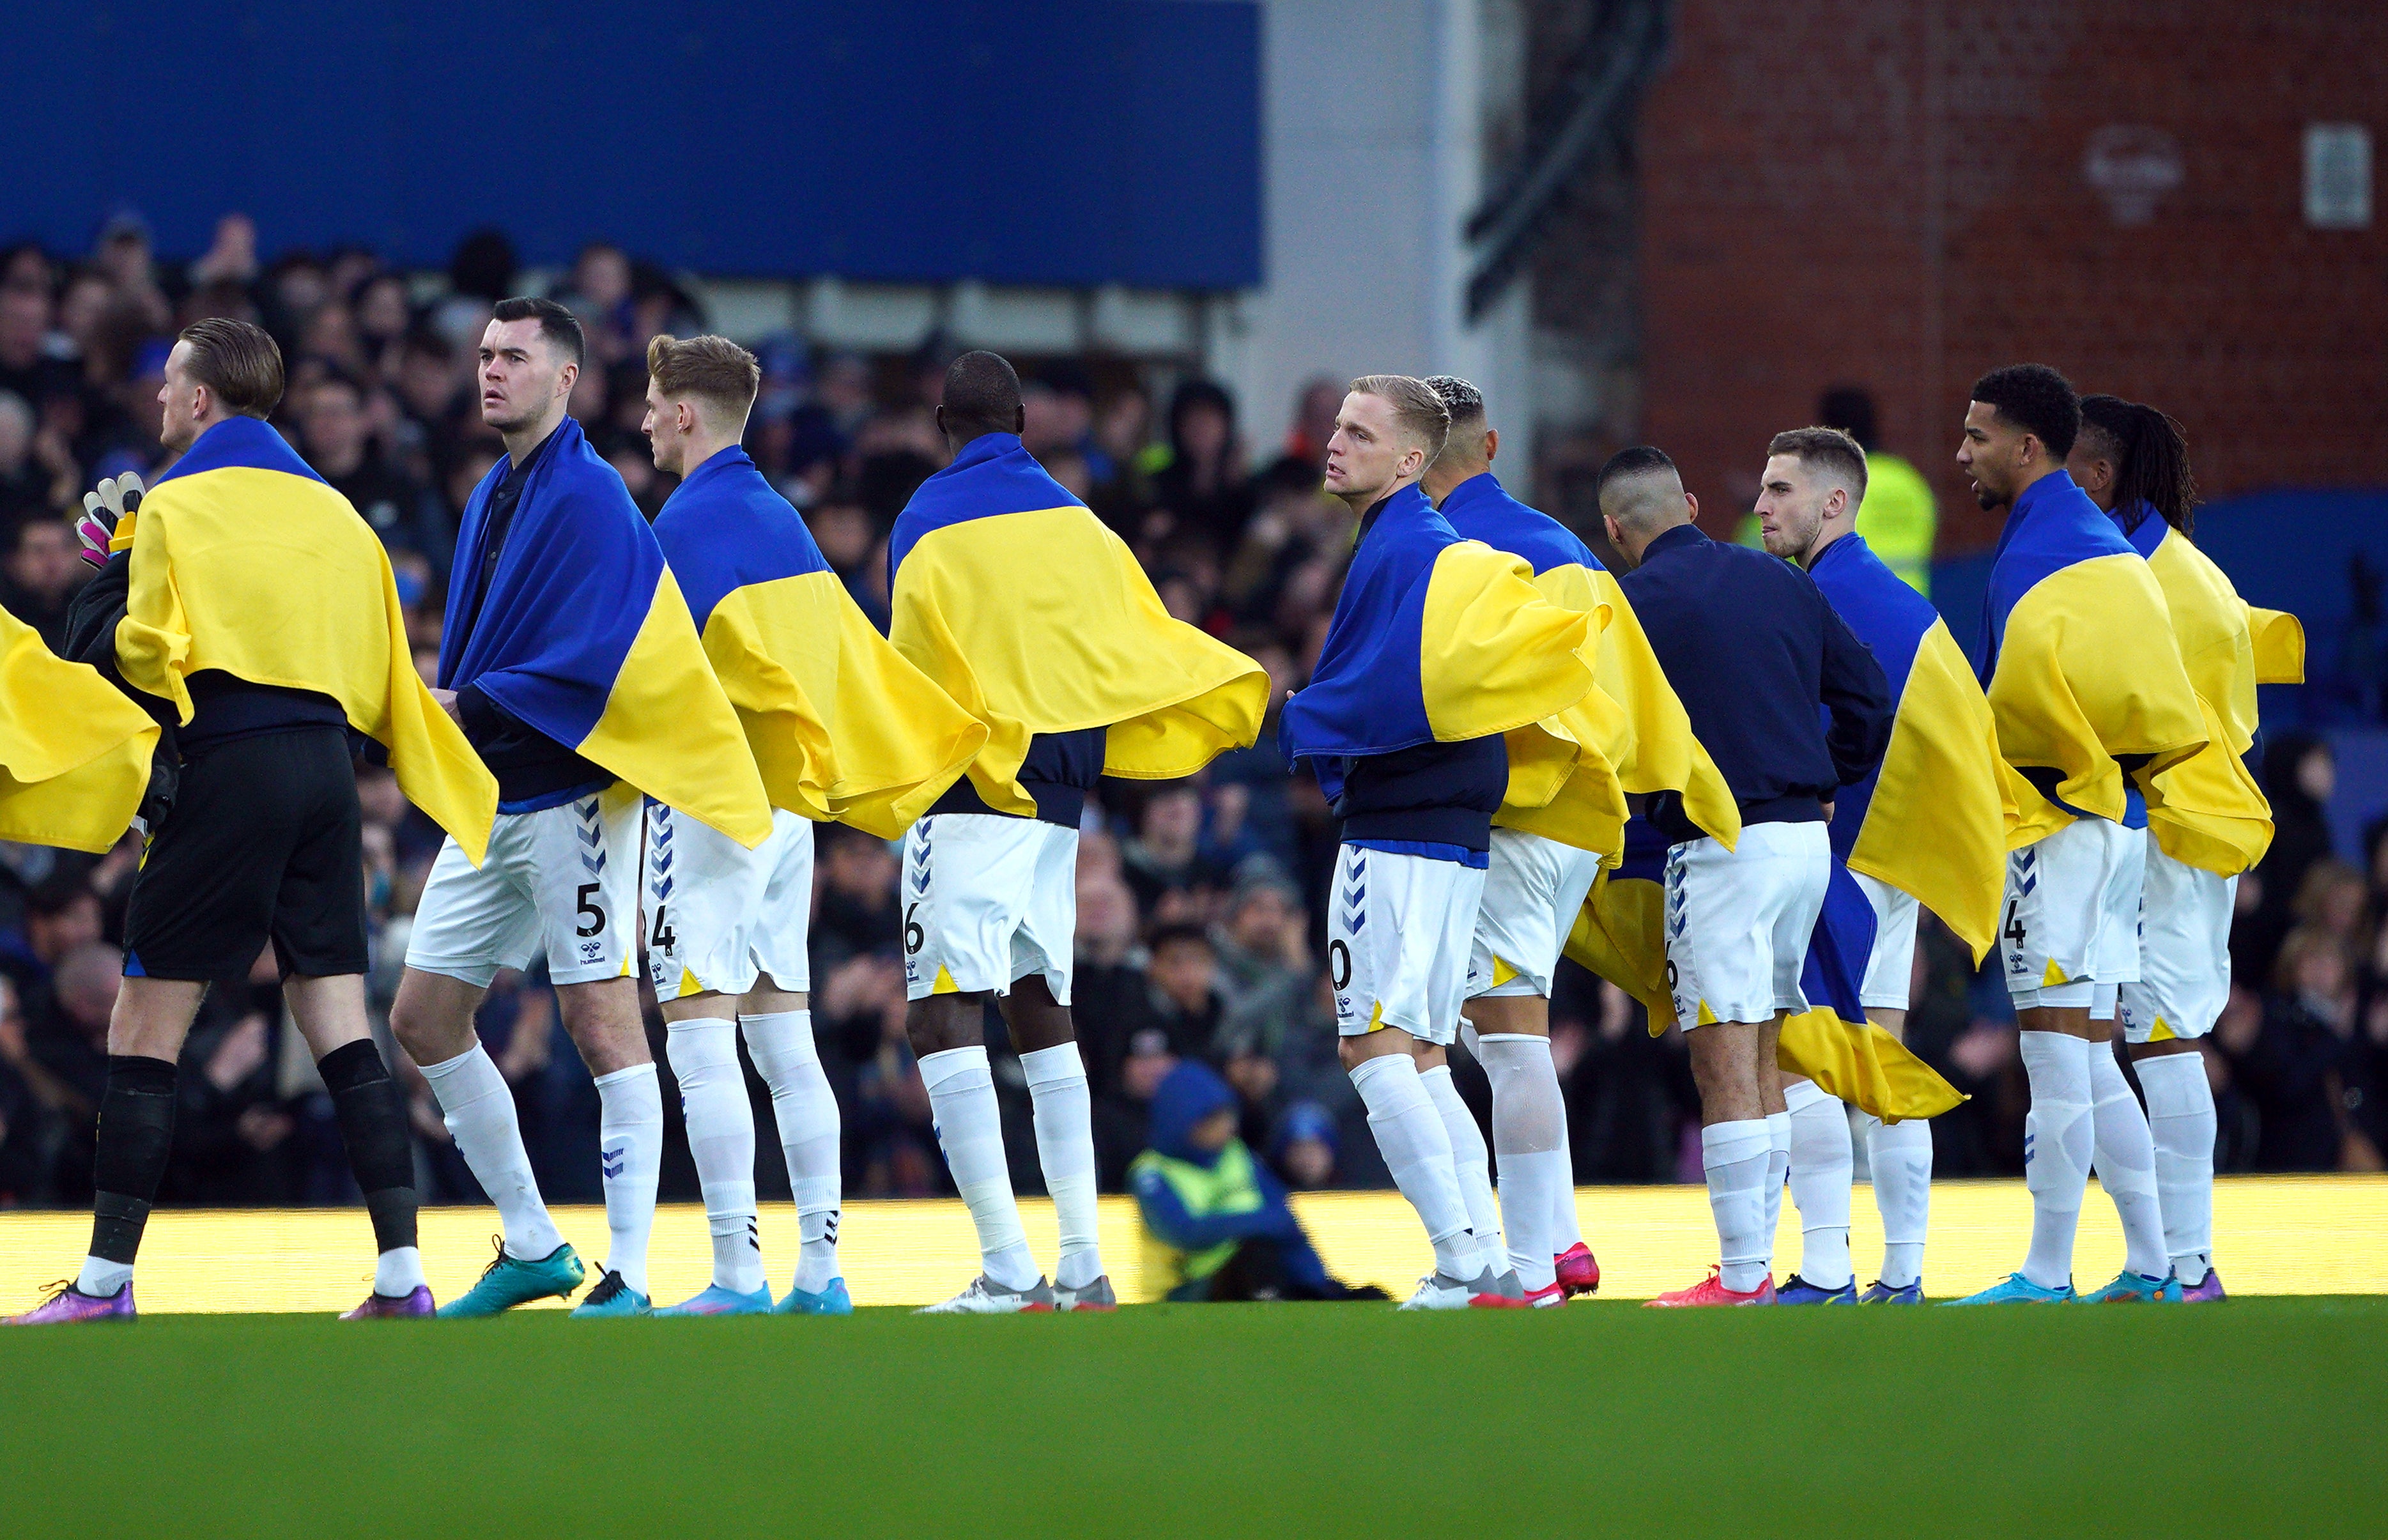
2260 1416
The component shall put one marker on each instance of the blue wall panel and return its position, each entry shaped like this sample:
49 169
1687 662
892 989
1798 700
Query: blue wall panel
1070 141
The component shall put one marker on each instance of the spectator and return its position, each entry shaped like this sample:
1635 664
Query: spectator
1203 487
1218 1217
854 910
66 1062
1174 881
30 369
336 436
2298 1061
1305 1148
43 574
30 488
1185 994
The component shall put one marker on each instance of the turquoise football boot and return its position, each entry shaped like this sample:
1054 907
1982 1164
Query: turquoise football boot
613 1298
2130 1288
717 1300
509 1280
832 1301
2016 1290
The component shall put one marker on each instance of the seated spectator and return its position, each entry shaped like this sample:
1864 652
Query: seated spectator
29 490
1215 1220
1203 485
1265 960
2297 1062
1305 1148
337 433
42 575
1185 993
890 1136
856 910
66 1062
21 1177
62 912
1175 881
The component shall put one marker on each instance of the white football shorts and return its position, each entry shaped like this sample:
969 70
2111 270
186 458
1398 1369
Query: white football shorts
987 900
1534 889
1397 939
1738 921
1890 967
2184 952
564 880
2072 919
719 915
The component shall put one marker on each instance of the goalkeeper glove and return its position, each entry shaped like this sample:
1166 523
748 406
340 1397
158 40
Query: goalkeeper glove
103 509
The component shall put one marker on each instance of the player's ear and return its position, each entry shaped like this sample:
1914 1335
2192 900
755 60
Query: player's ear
1492 443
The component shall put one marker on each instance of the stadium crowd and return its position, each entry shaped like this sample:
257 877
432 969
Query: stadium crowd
1199 902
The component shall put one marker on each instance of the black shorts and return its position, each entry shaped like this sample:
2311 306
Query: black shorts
263 843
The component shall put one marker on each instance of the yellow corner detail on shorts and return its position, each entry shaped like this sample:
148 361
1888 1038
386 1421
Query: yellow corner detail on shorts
1502 972
945 982
1707 1016
2159 1033
2054 977
1377 1015
689 983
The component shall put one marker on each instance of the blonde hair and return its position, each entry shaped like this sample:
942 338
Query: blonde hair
712 369
1418 411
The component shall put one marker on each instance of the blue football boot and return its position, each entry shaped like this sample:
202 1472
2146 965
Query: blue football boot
1798 1291
1879 1292
2130 1288
717 1300
612 1298
833 1299
509 1280
2016 1290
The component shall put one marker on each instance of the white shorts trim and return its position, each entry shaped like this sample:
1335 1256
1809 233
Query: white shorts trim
2072 914
1738 921
1398 929
1890 967
717 915
2184 952
1534 889
989 899
562 881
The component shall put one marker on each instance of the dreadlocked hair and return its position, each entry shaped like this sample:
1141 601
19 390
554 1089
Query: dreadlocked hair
2151 460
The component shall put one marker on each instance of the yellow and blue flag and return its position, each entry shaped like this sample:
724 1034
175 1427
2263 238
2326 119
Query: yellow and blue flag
245 560
1033 617
1621 934
1932 820
1632 715
2080 665
1440 639
74 752
2209 812
581 634
841 727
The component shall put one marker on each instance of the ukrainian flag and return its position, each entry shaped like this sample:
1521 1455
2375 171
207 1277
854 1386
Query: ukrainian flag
582 635
2079 664
74 752
2209 812
245 560
1034 617
1633 717
1932 820
1621 934
841 727
1437 639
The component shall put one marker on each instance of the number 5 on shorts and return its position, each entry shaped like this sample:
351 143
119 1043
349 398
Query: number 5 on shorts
586 906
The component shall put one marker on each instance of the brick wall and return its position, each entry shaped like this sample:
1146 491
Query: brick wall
1896 193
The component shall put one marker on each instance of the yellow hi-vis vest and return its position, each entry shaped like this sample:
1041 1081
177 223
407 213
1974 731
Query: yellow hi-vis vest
1226 1188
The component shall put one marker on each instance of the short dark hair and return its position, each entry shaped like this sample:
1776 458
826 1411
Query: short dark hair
2151 453
1178 934
1462 399
558 325
2036 398
1836 453
981 396
238 362
1640 460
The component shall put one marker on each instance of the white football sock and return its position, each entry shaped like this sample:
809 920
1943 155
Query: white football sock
704 1053
970 1130
1778 1170
2127 1163
631 1149
1567 1225
2059 1141
1820 1165
1417 1147
1471 1163
2181 1119
101 1279
1737 1157
805 1109
478 1107
398 1272
1900 1157
1530 1139
1065 1148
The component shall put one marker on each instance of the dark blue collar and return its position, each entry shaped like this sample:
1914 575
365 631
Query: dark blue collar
1682 537
1479 487
985 447
1408 503
1851 539
721 461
